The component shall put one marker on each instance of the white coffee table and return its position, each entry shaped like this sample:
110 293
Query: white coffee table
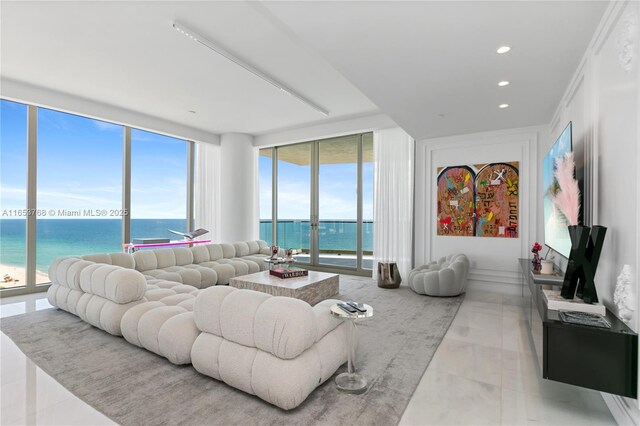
314 288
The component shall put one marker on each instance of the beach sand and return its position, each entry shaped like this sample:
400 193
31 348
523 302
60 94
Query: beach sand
19 276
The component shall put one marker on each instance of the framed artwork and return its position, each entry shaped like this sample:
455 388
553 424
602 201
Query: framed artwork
478 200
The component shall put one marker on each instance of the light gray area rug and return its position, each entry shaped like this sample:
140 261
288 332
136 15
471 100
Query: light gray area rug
135 387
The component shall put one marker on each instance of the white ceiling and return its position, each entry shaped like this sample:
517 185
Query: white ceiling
418 61
127 55
414 61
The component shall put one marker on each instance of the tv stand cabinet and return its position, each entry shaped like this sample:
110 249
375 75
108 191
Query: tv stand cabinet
596 358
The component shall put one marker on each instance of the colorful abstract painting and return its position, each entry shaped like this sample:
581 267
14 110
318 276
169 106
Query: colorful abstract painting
479 200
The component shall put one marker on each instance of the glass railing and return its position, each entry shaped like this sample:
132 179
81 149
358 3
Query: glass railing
337 240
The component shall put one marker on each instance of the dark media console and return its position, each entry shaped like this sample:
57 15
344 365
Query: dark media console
596 358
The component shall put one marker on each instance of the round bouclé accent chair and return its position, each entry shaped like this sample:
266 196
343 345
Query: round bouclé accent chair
446 277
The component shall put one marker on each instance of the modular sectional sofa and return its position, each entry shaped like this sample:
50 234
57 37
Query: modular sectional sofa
277 348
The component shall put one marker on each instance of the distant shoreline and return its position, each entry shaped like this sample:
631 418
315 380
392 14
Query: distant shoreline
19 275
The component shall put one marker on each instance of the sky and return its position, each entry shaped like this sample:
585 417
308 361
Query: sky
80 166
337 191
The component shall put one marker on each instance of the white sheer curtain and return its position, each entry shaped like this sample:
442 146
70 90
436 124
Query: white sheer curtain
207 190
393 205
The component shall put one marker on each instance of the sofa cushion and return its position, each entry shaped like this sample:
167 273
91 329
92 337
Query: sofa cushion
119 259
200 253
285 327
215 252
238 314
254 247
242 249
207 306
184 256
145 260
228 251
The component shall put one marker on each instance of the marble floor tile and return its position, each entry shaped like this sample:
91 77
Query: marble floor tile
448 399
469 360
522 409
476 335
471 318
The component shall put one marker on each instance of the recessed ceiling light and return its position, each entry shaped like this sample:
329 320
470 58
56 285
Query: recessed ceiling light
503 49
503 106
503 83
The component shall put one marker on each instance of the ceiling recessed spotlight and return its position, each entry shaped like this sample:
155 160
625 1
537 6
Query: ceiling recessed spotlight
503 106
503 49
503 83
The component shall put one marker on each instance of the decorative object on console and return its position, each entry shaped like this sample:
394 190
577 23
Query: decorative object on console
546 267
556 302
623 296
536 257
274 252
584 318
478 200
586 246
388 275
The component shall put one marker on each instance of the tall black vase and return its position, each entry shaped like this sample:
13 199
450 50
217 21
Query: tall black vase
586 246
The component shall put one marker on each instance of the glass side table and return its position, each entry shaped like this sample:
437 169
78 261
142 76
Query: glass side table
351 381
279 261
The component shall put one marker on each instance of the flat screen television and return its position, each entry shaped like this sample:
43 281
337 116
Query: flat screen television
556 233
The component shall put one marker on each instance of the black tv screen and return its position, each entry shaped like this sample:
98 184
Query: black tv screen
556 233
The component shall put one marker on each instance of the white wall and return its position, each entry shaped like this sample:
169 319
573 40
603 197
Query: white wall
493 260
238 169
603 102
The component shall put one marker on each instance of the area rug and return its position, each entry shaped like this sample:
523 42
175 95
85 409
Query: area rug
132 386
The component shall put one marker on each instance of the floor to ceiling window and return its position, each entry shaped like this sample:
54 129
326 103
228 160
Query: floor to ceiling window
13 193
338 201
79 188
324 199
158 185
265 173
293 199
76 166
368 170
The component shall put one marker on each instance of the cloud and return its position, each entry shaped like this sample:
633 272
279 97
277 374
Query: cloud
107 127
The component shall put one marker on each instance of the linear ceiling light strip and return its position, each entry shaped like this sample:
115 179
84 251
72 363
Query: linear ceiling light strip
219 50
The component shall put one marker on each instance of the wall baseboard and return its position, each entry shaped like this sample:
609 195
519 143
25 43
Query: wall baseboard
624 410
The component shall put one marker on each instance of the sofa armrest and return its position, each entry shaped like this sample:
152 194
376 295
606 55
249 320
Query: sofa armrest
324 320
112 282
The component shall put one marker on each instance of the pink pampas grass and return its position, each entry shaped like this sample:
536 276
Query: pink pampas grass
568 198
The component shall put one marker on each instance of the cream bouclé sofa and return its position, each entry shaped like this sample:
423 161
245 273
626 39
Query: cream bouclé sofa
277 348
145 276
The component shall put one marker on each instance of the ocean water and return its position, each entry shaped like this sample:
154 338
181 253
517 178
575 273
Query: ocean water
333 234
64 237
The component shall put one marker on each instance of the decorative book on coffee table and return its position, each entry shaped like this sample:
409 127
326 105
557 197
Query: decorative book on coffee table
291 272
